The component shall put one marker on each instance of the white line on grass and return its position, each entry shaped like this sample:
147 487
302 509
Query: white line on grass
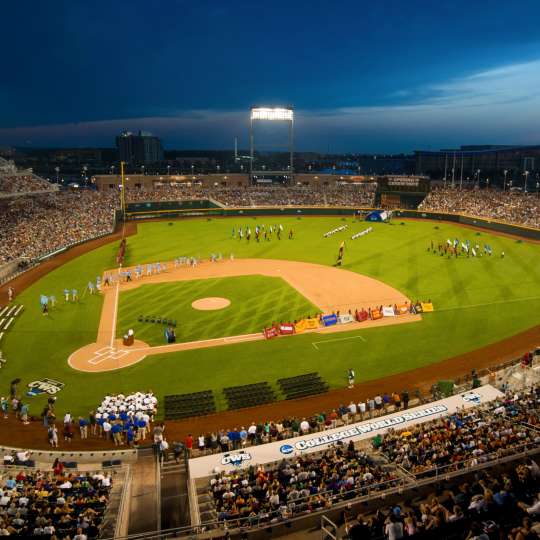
113 334
315 343
487 304
9 323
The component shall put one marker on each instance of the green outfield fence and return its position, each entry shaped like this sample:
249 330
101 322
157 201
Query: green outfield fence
207 208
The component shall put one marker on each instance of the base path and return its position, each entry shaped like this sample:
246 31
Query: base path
330 289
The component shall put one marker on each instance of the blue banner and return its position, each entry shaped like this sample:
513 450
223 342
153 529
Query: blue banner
329 320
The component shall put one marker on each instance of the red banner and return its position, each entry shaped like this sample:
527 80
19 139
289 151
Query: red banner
271 332
362 316
286 329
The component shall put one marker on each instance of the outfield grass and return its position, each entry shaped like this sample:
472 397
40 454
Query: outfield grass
477 301
256 301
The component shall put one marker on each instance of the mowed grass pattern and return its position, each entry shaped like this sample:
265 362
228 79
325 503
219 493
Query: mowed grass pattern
256 302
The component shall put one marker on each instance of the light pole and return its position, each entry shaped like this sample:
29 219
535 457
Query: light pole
168 170
192 169
525 174
112 170
84 170
142 170
537 186
487 183
57 170
478 177
505 172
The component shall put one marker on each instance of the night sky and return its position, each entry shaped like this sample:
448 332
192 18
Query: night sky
378 76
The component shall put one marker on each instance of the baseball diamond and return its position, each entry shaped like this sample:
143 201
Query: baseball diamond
476 301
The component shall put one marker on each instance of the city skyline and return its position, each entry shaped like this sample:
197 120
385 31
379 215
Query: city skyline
362 77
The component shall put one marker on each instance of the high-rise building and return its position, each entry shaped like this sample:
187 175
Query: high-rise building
139 149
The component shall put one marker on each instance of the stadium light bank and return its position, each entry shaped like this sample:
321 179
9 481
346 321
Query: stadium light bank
283 114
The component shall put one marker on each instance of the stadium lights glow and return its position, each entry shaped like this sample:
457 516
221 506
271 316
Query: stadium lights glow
267 113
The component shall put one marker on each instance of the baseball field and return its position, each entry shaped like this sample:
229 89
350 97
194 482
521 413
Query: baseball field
477 300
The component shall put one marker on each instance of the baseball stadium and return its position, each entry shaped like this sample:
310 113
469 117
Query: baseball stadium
265 342
303 315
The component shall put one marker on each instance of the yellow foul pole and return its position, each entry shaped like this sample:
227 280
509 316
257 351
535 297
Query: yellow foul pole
123 194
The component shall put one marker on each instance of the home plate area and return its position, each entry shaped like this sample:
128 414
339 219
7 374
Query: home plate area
107 353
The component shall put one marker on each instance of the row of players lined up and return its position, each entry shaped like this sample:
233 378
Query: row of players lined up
457 248
261 232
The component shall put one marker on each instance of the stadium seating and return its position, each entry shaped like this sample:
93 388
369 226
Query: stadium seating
303 385
185 405
70 500
249 395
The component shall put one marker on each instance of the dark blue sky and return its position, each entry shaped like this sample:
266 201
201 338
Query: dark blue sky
378 76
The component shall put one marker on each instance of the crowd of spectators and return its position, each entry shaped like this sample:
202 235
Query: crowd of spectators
304 484
467 438
225 440
489 506
21 183
13 181
55 505
341 195
31 227
513 207
314 482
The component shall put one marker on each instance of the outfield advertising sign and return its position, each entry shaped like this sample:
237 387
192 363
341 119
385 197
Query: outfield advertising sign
315 442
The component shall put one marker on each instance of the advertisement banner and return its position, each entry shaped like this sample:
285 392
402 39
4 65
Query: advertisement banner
271 332
329 320
388 311
345 319
376 314
403 309
300 326
311 324
315 442
427 307
286 329
362 316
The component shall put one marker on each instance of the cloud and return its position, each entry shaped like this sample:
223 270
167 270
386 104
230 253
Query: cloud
512 83
500 106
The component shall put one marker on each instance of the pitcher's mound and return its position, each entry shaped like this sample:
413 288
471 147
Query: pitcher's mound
214 302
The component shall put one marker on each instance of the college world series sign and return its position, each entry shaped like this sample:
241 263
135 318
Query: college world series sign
316 442
44 386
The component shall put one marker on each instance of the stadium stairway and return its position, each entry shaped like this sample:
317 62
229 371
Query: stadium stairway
174 494
144 509
207 508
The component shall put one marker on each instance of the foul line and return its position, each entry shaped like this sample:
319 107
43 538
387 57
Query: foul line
113 333
487 304
314 343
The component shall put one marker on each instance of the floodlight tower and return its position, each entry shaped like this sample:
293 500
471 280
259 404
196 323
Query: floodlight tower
272 114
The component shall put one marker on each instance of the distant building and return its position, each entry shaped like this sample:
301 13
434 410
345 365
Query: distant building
139 149
494 163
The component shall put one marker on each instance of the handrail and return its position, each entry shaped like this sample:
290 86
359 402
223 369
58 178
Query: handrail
122 521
